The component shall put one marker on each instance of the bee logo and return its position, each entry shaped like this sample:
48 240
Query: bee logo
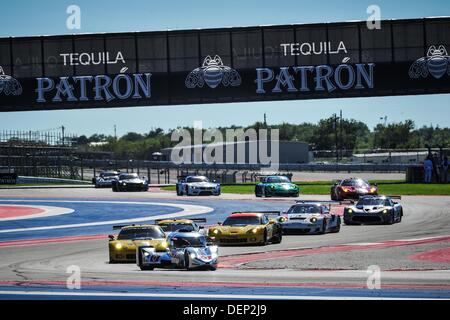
436 63
9 85
213 72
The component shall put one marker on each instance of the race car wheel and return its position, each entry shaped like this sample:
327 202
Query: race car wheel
338 226
187 190
257 193
324 227
267 193
114 189
391 219
265 240
400 216
186 260
212 268
279 237
146 268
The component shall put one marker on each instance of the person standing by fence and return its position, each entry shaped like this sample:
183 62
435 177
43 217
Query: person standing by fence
428 169
444 170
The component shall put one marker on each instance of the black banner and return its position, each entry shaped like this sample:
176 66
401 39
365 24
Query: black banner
336 60
8 178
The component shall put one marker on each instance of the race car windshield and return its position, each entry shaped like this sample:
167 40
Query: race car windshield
354 183
177 226
189 242
304 209
241 221
197 179
372 202
278 180
128 176
140 233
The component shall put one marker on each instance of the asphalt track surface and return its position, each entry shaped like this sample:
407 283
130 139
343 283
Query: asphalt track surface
35 253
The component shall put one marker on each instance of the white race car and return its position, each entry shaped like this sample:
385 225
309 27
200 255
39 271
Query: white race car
374 210
197 186
307 217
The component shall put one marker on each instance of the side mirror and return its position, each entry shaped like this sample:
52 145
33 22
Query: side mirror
111 237
219 223
201 227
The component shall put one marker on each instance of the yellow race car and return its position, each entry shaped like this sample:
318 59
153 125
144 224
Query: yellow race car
187 225
123 248
247 228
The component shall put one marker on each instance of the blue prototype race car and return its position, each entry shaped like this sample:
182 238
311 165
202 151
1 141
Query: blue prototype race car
186 250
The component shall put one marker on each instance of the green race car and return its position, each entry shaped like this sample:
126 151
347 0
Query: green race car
278 186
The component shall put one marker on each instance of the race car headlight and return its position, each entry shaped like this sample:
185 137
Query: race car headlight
118 246
255 230
193 255
164 245
282 219
350 211
213 249
385 211
215 231
146 254
313 220
124 183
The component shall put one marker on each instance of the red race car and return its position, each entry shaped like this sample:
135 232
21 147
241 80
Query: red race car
352 189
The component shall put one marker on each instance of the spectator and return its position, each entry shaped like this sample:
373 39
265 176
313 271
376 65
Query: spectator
428 169
444 170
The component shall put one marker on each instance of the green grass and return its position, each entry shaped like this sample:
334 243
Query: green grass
323 188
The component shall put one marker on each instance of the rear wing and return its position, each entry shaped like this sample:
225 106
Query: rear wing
123 226
182 177
266 213
199 220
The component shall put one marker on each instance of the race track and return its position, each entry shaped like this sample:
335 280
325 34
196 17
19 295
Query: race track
35 252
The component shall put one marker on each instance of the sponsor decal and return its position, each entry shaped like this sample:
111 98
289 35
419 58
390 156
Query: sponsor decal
9 85
213 73
104 88
93 58
436 64
312 48
322 78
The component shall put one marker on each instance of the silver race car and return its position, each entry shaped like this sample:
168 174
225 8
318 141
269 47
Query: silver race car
186 250
197 186
306 217
374 210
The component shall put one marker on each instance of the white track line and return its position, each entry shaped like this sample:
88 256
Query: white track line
187 210
195 296
48 212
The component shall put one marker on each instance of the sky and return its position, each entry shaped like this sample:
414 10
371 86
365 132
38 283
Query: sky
48 17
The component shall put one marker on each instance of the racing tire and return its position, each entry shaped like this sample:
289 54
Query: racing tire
186 261
212 268
338 227
279 237
391 219
400 217
265 240
146 268
257 194
324 227
267 194
187 191
114 189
